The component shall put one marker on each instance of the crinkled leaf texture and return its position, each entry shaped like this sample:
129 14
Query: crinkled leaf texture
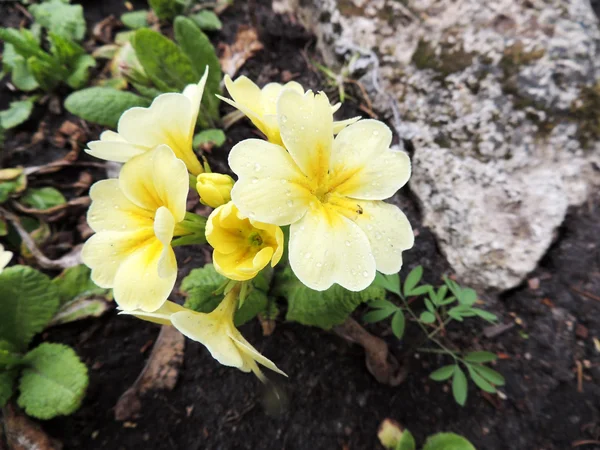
447 441
61 18
54 382
28 300
200 285
324 309
17 113
101 105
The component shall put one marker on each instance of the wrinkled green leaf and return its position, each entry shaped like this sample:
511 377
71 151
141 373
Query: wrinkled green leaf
443 373
54 382
213 136
398 324
42 198
17 113
459 386
9 355
323 309
480 357
447 441
207 20
200 51
24 43
28 300
103 106
75 283
7 385
163 61
135 19
490 375
166 9
80 71
412 280
13 62
61 18
427 317
388 282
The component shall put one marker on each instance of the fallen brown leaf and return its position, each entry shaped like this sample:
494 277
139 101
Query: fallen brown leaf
24 434
102 31
161 372
380 363
245 46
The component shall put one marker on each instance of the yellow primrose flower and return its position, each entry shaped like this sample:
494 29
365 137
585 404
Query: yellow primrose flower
170 120
329 191
260 105
214 189
243 247
135 218
5 257
215 331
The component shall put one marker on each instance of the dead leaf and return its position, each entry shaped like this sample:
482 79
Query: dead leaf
161 372
103 30
82 308
56 212
380 363
24 434
245 46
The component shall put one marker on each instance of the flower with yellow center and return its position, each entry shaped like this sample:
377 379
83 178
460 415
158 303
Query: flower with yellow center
170 120
330 191
135 218
215 331
5 257
214 188
260 105
243 247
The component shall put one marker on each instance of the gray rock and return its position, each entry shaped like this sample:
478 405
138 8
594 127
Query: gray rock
502 103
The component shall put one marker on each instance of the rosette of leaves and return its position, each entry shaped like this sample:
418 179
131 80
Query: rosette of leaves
160 65
50 379
167 10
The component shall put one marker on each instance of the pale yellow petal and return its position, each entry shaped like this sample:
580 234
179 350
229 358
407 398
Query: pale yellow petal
250 352
169 120
137 283
341 124
274 239
294 86
161 316
194 92
389 233
156 178
268 98
113 147
111 210
212 334
164 225
5 257
362 164
306 127
242 265
326 247
104 252
270 188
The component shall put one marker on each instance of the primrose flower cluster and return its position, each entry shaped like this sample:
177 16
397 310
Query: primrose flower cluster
326 179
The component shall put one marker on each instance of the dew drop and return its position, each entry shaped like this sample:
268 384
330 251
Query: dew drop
378 235
369 227
283 118
257 167
307 255
319 265
288 192
290 203
254 180
375 133
353 272
284 181
365 274
348 243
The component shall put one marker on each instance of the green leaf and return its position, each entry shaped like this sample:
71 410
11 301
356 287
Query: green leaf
383 304
60 18
421 290
490 375
324 309
75 283
146 91
9 355
80 71
207 20
398 324
17 113
166 9
199 286
480 381
427 317
54 382
447 441
135 19
459 386
212 136
13 62
377 315
43 198
7 385
437 297
28 300
443 373
45 73
24 43
468 296
485 314
480 357
103 106
388 282
255 303
412 280
406 442
453 286
200 51
429 306
9 187
163 61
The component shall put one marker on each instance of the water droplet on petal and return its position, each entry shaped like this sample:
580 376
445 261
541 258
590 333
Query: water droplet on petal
375 133
307 255
369 227
365 274
378 235
284 181
319 265
290 203
254 180
257 167
348 243
283 118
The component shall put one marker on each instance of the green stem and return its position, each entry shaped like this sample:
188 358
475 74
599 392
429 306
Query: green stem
438 329
193 182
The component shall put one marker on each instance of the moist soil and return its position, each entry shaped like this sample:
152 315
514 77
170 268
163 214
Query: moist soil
330 400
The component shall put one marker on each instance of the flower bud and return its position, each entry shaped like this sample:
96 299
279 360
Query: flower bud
214 188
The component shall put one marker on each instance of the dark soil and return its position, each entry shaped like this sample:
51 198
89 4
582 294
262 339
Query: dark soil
331 401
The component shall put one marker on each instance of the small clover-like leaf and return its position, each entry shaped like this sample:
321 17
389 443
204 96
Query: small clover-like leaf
480 357
390 283
490 374
459 386
427 317
398 324
377 315
412 279
443 373
447 441
406 442
467 296
485 314
54 382
43 198
481 383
